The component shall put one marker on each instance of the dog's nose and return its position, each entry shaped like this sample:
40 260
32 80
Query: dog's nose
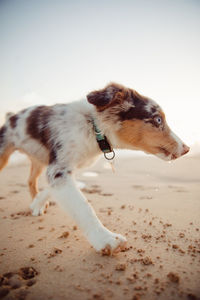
186 149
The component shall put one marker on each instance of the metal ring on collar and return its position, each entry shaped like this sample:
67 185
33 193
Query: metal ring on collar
109 158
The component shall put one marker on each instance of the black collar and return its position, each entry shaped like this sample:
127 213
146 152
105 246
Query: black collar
103 143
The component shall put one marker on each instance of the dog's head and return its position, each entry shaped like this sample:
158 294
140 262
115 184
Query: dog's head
142 123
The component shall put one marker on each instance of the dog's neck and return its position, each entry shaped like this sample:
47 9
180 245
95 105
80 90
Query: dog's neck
104 145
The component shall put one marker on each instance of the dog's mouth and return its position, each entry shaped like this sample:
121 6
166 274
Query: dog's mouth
163 150
167 155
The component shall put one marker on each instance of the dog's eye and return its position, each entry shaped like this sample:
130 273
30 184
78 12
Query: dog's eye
158 120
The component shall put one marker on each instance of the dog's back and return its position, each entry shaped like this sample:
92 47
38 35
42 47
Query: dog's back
46 132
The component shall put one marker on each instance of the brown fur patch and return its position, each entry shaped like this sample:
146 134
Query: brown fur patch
39 129
138 111
146 137
38 124
2 135
59 174
112 94
13 121
132 132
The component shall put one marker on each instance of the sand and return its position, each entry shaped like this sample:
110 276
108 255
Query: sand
155 204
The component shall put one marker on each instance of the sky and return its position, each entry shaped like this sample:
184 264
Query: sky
58 51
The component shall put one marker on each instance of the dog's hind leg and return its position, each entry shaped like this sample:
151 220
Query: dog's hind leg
4 157
39 204
6 149
36 170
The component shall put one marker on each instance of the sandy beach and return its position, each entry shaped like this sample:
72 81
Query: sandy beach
155 204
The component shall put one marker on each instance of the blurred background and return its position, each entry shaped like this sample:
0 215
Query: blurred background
58 51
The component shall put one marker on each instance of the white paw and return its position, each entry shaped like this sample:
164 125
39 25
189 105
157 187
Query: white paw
107 242
38 210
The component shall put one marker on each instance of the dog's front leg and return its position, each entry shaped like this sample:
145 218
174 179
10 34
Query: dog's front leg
76 205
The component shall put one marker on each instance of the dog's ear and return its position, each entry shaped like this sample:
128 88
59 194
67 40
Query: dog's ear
104 97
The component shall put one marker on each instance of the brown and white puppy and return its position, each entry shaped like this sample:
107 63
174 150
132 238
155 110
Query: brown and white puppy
62 138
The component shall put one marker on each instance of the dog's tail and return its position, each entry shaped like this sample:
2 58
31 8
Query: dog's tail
6 148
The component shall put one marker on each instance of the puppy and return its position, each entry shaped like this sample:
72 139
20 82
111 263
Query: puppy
67 137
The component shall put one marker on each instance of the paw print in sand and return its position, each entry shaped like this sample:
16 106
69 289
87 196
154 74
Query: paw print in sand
15 285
